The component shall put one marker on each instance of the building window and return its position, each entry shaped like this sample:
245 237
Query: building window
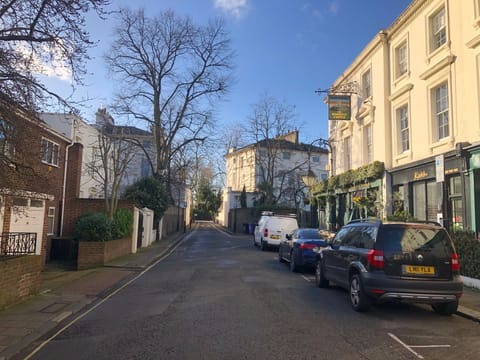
440 106
315 158
368 144
403 129
401 59
145 168
51 220
50 152
437 29
286 156
6 147
366 84
347 142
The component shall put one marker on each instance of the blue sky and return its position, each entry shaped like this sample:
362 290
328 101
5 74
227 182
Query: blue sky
286 48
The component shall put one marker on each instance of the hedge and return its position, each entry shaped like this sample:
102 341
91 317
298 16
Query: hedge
468 249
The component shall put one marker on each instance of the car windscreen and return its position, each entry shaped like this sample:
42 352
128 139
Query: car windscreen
401 239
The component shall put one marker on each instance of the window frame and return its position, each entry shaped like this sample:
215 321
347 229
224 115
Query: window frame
440 116
367 84
438 37
51 220
399 65
403 132
368 136
50 152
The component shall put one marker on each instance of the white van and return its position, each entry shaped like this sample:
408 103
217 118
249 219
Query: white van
271 230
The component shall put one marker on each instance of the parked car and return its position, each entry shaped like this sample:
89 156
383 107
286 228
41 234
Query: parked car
259 226
392 261
300 248
273 229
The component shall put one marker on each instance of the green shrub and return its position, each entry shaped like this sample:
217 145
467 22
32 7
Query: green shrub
122 225
93 227
468 249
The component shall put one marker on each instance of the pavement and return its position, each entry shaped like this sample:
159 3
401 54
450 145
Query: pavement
65 294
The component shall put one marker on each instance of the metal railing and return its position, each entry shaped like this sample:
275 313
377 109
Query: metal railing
12 244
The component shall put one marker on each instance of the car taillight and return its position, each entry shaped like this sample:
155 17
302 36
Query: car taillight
304 246
455 263
265 232
375 259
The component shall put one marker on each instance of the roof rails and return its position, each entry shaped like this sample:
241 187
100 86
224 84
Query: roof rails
426 222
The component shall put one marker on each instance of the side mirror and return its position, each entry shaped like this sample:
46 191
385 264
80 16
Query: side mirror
289 236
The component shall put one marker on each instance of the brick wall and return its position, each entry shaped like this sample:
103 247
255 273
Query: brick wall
93 253
20 278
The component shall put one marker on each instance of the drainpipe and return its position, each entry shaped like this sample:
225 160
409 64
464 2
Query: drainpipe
65 167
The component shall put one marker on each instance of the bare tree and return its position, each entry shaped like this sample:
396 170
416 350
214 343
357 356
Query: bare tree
270 120
170 71
35 35
114 154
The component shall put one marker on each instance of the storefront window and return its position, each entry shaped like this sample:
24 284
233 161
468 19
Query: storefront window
419 201
457 214
427 200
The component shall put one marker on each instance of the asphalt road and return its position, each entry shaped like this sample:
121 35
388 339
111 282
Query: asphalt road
219 297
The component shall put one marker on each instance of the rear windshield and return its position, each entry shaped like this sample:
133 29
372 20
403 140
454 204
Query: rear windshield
309 234
400 239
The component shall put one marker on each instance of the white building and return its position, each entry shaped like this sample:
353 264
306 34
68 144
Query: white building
282 163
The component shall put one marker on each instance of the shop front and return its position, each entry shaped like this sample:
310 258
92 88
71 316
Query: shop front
473 172
433 190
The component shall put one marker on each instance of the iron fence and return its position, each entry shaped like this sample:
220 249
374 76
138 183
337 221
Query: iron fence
12 244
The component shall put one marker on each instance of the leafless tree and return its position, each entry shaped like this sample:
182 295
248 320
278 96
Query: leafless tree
270 120
112 158
35 35
171 71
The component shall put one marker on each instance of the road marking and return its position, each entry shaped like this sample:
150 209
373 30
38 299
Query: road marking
410 347
79 317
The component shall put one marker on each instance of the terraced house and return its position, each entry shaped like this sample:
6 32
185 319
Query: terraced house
412 144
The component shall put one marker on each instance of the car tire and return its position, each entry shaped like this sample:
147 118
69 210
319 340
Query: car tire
320 279
447 309
358 298
254 242
293 264
263 245
280 257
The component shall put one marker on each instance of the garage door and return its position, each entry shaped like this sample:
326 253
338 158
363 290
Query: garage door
28 216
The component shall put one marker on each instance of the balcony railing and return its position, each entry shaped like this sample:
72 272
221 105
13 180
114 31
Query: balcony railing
12 244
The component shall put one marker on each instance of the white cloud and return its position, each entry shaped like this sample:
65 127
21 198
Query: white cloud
235 8
54 67
333 8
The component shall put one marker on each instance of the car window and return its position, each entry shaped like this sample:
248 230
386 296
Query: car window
339 238
405 239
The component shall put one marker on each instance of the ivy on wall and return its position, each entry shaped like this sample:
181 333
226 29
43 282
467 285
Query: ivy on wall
360 175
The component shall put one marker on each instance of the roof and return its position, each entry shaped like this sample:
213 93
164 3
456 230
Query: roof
283 144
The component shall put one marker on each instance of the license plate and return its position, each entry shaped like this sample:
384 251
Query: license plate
418 270
275 237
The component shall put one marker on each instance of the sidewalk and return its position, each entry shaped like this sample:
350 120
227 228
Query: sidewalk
65 293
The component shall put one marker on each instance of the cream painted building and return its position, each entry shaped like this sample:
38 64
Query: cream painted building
282 162
418 88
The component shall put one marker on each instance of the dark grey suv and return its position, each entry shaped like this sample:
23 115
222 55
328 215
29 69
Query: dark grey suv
393 261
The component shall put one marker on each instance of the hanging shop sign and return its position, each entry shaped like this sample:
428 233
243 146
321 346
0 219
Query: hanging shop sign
339 107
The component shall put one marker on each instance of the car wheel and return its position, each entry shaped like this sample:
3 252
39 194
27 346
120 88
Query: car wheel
254 242
263 245
359 299
280 257
448 308
293 264
320 279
